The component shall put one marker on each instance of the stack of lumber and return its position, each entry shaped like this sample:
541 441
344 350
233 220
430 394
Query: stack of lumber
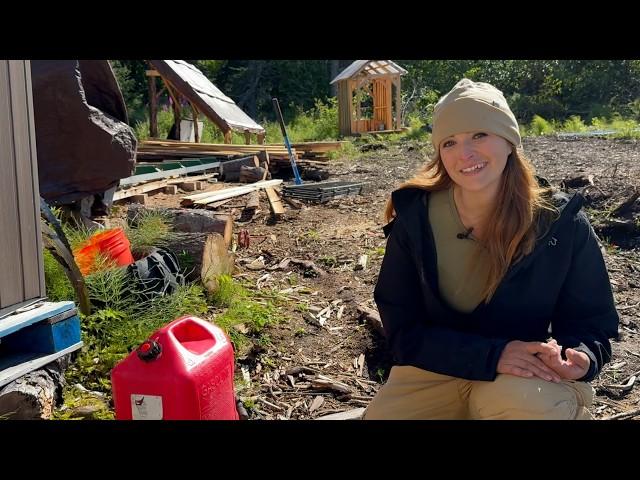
161 149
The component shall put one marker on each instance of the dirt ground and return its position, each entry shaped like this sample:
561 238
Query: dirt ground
325 357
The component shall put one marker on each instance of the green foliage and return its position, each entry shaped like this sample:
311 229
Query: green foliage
164 119
552 89
539 126
76 235
132 80
253 309
114 330
318 123
75 399
151 229
312 235
416 128
625 128
574 124
228 292
328 261
58 286
348 150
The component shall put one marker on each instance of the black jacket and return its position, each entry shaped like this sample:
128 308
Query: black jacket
560 289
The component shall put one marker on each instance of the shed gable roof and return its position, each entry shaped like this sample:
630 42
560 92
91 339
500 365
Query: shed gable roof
370 67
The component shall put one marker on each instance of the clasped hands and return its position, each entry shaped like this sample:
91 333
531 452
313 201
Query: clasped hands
543 360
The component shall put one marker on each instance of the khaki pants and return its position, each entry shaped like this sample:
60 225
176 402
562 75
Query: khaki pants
411 393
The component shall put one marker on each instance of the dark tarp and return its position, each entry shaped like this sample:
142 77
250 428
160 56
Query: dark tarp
84 144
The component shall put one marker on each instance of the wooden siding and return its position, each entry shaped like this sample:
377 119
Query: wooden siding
344 108
21 263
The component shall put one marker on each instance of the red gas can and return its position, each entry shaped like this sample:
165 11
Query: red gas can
184 371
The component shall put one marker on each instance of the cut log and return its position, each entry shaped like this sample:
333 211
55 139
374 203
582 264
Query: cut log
230 170
251 174
188 220
34 395
216 261
189 247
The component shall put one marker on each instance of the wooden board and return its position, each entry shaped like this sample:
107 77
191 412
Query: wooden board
20 364
13 323
274 201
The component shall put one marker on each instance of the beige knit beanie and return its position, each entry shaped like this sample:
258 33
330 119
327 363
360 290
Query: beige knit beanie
474 106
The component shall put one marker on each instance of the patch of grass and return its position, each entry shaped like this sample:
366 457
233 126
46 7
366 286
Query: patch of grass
302 307
122 323
75 398
268 361
149 229
328 261
228 292
377 251
347 151
300 332
312 235
249 403
254 309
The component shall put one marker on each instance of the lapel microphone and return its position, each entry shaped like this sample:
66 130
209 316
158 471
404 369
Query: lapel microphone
465 235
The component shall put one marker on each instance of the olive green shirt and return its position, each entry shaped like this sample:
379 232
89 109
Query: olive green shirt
462 263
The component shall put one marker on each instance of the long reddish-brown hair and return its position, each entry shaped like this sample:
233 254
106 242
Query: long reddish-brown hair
513 225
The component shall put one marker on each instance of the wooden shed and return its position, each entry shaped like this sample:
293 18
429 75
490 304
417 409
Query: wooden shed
365 97
184 81
21 264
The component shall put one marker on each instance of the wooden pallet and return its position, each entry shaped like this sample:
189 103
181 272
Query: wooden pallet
37 336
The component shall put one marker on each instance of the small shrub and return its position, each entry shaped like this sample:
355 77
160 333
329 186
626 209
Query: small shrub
539 126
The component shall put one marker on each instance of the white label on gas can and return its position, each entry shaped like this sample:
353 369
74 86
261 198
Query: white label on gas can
146 407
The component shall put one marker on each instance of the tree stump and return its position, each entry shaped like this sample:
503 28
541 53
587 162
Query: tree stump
216 261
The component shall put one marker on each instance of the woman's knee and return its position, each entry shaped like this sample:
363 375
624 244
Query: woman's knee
511 397
413 393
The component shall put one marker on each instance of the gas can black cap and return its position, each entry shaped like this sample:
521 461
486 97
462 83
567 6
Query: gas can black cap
149 350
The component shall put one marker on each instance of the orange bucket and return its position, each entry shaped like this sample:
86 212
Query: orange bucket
113 243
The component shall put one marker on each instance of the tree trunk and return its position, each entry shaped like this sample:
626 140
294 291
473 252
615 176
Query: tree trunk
34 395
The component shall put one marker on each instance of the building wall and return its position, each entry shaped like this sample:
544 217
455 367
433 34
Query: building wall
21 263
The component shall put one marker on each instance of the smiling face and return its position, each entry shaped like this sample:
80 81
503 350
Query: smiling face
475 160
